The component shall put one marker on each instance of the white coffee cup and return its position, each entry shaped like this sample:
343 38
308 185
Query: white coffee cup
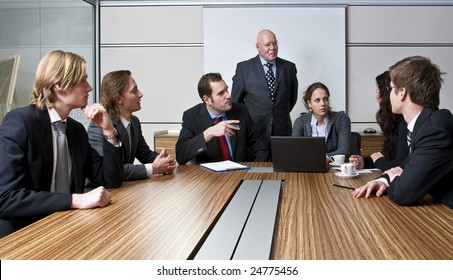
337 159
347 168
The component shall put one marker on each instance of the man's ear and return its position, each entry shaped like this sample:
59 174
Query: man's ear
57 87
403 94
118 100
207 100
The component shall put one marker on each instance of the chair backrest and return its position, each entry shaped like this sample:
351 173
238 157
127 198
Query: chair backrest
356 144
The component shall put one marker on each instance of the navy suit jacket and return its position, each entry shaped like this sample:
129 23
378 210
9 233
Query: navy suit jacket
26 167
399 153
137 149
247 144
428 169
250 88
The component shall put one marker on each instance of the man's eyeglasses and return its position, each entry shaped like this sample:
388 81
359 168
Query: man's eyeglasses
268 45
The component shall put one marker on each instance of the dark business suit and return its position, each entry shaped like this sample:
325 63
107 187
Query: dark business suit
399 152
191 143
428 169
26 167
138 148
250 87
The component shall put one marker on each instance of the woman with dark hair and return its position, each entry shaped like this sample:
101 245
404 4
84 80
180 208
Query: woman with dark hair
321 121
394 129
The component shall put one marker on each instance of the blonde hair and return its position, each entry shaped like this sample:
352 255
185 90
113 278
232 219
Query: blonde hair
56 68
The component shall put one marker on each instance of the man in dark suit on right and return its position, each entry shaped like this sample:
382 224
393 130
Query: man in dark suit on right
428 169
268 86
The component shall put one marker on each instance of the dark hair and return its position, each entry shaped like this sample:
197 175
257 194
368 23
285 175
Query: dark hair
385 117
204 85
113 85
309 92
421 78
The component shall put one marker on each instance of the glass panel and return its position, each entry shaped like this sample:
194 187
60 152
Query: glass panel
31 28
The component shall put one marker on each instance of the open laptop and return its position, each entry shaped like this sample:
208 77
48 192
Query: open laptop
298 154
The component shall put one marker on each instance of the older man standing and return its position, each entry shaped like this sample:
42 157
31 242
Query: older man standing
268 86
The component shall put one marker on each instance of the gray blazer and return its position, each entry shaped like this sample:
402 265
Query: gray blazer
139 149
339 132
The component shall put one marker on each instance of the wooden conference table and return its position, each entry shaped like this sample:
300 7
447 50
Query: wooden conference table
168 217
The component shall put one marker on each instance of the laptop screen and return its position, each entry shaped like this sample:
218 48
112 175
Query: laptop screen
298 154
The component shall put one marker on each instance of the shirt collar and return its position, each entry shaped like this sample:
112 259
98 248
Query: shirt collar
314 121
54 116
410 126
264 62
124 121
223 115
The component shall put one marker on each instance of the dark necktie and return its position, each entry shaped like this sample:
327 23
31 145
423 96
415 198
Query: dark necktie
223 144
62 180
270 78
129 133
409 139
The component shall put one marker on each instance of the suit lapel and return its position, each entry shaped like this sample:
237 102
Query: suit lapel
424 115
75 149
260 72
134 137
280 71
44 130
124 136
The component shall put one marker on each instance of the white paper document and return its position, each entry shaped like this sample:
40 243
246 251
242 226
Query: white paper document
222 166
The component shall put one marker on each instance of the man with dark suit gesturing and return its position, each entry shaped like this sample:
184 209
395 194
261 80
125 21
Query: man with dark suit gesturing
428 169
217 129
121 98
268 86
43 167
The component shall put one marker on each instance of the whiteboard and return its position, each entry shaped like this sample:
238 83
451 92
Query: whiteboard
311 37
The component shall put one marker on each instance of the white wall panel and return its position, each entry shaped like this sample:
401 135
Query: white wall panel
400 24
167 77
367 63
311 37
158 24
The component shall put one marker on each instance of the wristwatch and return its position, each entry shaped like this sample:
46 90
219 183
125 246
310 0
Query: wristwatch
111 135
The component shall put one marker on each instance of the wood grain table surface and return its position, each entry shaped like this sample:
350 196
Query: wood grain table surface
168 217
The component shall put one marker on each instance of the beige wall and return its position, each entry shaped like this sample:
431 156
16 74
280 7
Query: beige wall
164 48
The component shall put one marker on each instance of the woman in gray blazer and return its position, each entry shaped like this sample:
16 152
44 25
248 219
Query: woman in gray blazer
321 121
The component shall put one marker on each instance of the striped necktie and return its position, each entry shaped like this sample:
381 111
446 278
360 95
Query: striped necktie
409 140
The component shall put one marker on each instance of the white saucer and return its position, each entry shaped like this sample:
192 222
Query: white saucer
342 175
334 164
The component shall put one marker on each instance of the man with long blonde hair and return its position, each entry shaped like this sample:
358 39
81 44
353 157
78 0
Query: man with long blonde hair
36 180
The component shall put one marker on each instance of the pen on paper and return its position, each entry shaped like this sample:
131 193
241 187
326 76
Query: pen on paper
345 187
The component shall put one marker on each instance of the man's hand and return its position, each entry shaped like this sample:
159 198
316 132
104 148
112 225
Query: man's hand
99 197
97 114
228 127
376 156
164 163
371 187
357 160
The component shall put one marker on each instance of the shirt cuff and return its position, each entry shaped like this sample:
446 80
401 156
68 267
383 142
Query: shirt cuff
149 169
383 180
